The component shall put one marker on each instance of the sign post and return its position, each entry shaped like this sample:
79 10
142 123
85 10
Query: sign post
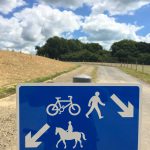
78 116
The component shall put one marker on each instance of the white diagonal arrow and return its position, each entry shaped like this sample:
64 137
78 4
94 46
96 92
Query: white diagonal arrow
128 111
31 142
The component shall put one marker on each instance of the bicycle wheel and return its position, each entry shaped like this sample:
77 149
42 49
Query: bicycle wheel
74 109
52 109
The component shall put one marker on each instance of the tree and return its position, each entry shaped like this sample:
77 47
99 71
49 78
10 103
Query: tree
93 47
72 49
125 50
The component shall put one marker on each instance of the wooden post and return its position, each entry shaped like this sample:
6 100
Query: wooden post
121 64
136 65
143 67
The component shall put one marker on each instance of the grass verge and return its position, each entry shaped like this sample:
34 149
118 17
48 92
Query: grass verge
140 75
7 91
94 74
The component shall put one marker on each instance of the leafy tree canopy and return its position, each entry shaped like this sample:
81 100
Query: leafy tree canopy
74 50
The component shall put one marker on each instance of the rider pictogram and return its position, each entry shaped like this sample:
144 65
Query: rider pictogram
70 127
60 106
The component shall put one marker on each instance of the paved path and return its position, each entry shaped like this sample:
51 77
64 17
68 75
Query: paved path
86 69
114 75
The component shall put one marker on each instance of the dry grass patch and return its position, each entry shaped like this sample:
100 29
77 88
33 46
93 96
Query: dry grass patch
18 67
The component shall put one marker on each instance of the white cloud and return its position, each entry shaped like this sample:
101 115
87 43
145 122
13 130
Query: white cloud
9 32
118 7
7 6
33 26
72 4
145 38
105 30
47 23
114 7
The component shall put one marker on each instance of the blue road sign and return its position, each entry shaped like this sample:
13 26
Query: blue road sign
98 117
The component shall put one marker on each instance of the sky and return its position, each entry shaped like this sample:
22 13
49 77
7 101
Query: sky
27 23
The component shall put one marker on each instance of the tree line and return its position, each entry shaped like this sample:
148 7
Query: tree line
124 51
130 51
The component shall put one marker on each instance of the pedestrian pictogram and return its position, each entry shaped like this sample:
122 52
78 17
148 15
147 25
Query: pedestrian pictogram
93 104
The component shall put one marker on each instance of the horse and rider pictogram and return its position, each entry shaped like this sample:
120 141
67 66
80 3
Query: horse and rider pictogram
69 135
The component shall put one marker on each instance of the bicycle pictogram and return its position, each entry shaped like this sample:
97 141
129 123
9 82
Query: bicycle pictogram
61 105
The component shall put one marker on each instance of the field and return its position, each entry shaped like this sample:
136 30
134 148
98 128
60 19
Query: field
138 74
139 71
140 68
18 67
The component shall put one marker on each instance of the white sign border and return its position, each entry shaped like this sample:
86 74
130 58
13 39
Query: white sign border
81 84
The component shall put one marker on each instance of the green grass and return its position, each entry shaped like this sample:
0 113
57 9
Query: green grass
4 92
140 75
7 91
94 74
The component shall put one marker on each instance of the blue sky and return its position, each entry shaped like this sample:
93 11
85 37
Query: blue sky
32 22
140 17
